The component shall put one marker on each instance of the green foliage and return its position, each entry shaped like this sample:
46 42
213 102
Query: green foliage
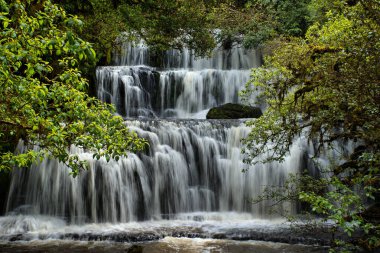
170 24
326 87
102 24
291 15
332 200
261 20
162 24
42 95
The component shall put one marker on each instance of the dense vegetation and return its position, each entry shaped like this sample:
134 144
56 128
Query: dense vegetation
42 96
198 24
320 79
326 86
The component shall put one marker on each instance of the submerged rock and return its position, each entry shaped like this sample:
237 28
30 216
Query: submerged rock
234 111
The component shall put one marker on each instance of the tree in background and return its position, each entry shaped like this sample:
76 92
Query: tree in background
254 22
326 87
171 24
42 96
161 24
196 24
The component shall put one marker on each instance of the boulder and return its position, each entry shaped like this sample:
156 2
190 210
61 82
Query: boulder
234 111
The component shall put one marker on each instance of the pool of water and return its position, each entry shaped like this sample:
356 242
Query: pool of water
167 245
187 232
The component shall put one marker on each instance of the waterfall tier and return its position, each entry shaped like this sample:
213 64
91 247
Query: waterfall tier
190 166
132 54
186 86
141 91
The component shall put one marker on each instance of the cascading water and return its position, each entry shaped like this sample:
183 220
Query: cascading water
191 166
192 169
234 58
186 88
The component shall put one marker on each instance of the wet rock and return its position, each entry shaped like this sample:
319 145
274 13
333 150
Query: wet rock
188 234
234 111
219 236
133 237
17 237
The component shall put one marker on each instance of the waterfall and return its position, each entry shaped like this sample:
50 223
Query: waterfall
133 54
192 165
140 91
184 87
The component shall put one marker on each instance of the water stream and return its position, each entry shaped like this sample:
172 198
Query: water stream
188 183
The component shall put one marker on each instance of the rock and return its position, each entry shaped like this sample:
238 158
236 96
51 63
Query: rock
234 111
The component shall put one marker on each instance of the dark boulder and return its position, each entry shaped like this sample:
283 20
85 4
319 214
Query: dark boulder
234 111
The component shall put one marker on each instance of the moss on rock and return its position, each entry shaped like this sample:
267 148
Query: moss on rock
234 111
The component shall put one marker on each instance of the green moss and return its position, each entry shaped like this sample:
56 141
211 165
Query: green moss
233 111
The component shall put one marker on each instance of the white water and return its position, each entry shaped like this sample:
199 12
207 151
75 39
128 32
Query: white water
207 222
237 57
189 179
190 166
144 92
185 86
